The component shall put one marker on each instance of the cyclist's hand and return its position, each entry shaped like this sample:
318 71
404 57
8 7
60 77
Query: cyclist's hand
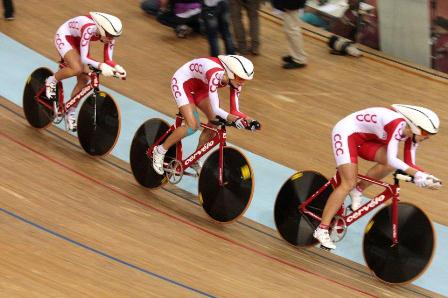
107 70
434 182
254 125
120 72
240 123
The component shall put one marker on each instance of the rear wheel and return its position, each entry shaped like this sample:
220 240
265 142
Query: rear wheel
98 136
141 165
226 203
293 226
404 262
36 113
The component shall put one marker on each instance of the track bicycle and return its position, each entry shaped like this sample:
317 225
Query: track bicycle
225 181
398 241
98 119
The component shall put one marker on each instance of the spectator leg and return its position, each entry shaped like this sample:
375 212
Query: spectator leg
252 12
294 35
237 25
224 27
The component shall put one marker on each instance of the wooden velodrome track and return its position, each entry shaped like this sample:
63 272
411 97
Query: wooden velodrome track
72 225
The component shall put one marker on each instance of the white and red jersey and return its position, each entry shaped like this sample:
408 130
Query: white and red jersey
200 78
77 33
377 127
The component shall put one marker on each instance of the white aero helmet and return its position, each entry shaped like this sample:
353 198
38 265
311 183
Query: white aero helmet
237 65
107 24
419 118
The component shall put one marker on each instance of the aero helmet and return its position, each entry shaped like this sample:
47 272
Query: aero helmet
419 118
237 65
107 24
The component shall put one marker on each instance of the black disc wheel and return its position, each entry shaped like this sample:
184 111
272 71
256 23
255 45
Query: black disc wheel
405 261
293 226
226 203
98 130
147 134
36 113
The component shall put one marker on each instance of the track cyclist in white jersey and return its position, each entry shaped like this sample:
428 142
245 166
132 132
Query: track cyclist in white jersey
195 84
72 41
374 134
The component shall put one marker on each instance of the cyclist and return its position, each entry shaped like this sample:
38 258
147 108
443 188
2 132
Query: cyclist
195 84
374 134
72 41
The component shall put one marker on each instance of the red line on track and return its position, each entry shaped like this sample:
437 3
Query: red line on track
188 223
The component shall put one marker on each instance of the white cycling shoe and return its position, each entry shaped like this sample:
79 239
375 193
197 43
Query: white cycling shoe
157 161
323 236
50 87
356 197
70 121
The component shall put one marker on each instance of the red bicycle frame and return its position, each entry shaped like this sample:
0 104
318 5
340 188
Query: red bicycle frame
391 192
219 138
63 108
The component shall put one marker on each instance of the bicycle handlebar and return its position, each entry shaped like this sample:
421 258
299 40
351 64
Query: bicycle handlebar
98 72
401 175
254 125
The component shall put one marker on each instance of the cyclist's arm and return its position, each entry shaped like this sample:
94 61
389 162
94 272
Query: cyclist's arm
410 149
234 103
108 52
392 150
213 82
84 46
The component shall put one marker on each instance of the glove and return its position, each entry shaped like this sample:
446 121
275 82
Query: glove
107 70
120 72
434 182
240 123
421 179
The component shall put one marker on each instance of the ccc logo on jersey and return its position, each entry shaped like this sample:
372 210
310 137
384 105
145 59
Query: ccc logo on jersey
59 42
337 144
399 135
175 88
197 67
367 118
86 36
214 82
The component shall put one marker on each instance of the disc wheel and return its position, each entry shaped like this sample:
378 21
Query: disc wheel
226 203
37 115
408 259
293 226
98 136
147 134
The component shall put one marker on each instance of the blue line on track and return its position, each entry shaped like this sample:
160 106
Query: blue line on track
79 244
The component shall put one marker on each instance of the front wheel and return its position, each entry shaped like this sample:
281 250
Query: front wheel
405 261
226 203
98 130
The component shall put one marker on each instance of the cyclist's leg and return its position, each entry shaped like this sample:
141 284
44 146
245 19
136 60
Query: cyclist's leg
346 156
378 171
348 173
206 134
191 125
74 66
82 80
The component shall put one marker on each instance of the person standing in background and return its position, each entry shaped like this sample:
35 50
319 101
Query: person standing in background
251 6
215 14
8 10
297 57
